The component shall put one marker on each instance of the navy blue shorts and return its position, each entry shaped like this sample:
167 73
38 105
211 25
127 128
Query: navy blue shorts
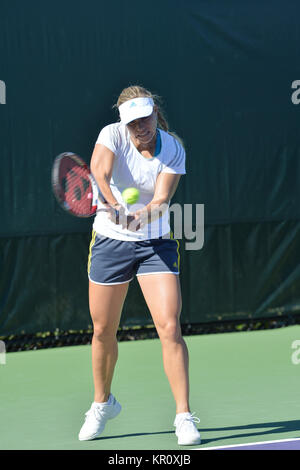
117 261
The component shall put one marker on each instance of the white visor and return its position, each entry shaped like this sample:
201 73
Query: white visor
135 109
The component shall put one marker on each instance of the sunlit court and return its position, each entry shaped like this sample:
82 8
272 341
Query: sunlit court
149 227
245 386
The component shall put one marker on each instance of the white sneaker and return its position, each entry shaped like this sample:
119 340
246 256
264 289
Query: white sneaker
186 430
96 417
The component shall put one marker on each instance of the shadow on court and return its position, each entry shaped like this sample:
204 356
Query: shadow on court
252 430
133 435
247 430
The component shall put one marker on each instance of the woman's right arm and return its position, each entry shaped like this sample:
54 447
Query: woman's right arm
102 163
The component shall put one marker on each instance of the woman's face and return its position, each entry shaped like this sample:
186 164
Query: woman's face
143 130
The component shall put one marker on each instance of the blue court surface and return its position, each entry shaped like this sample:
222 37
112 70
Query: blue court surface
283 444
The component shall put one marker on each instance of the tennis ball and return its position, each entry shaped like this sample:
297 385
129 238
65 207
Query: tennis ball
131 195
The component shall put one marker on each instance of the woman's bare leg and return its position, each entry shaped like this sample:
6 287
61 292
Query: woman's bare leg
106 303
163 296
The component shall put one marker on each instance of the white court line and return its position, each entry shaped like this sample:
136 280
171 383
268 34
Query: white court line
249 444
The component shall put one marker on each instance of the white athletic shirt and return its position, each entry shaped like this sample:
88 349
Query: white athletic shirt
132 169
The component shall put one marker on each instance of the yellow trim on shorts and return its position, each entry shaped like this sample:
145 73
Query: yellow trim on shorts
178 246
92 243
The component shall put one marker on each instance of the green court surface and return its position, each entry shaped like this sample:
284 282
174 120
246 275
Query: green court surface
244 387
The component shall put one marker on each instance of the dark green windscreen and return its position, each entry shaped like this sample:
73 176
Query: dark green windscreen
225 72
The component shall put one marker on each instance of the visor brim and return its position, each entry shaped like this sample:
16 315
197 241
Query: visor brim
136 113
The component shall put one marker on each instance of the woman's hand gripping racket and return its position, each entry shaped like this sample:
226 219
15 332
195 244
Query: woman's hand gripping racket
73 185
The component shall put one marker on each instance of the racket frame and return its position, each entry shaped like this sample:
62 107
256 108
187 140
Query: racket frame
57 186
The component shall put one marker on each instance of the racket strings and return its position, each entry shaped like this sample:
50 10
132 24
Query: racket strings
72 184
78 190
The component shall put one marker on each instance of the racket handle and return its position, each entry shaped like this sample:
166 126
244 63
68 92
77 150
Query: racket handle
96 192
98 195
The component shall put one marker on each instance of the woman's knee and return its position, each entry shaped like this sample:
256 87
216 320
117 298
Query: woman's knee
170 331
103 332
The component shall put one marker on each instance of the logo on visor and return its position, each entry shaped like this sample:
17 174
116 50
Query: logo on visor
133 104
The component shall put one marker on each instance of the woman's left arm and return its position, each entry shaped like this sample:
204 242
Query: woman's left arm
165 188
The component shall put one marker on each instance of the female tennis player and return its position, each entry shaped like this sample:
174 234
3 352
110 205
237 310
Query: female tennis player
138 151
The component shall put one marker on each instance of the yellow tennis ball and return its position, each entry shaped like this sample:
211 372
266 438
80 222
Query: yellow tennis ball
131 195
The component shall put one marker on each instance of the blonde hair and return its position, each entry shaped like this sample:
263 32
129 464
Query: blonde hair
136 91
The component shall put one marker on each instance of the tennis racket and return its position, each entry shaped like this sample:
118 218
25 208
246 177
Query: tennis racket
73 185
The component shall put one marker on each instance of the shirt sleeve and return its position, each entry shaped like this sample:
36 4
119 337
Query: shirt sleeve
176 162
109 137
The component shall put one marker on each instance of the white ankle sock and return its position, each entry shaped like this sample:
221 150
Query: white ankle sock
108 402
